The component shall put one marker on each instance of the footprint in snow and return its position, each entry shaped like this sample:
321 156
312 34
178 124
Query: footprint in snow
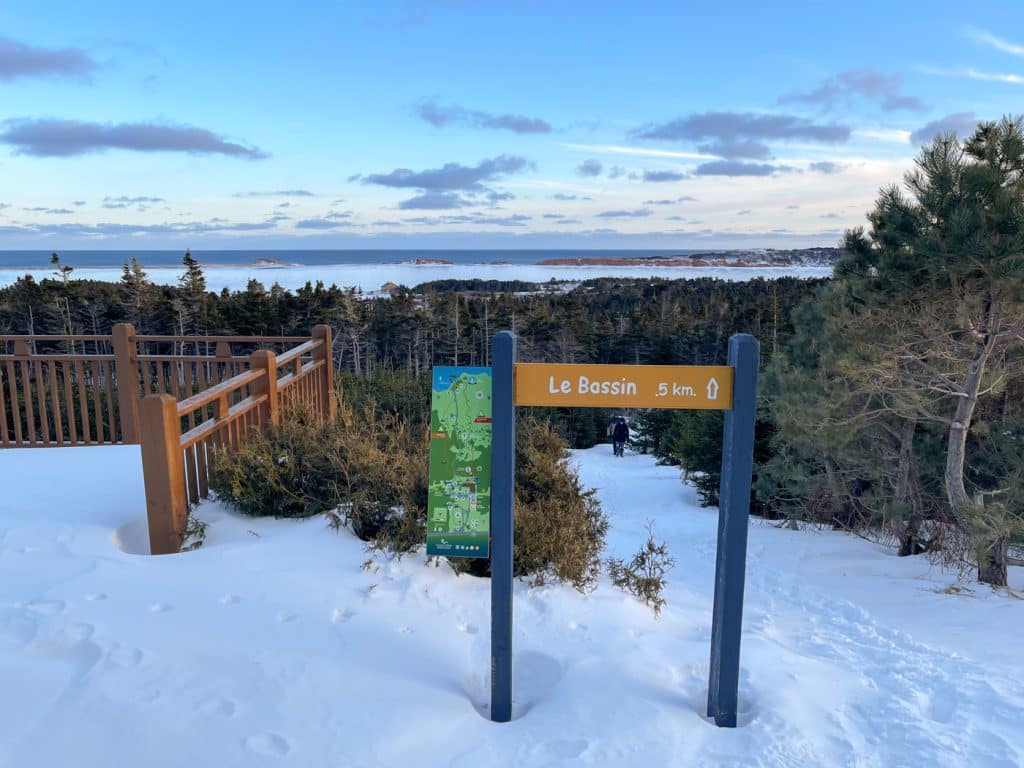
469 629
46 607
160 607
268 745
96 596
340 615
229 599
216 706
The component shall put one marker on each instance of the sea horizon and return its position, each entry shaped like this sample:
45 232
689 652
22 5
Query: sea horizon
297 257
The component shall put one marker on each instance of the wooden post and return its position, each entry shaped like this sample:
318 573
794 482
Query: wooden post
266 360
325 352
163 471
126 361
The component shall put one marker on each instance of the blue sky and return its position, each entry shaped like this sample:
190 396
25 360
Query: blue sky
469 123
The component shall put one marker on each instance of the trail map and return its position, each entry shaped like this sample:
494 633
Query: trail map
459 498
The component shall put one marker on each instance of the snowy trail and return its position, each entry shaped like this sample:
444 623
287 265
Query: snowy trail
271 646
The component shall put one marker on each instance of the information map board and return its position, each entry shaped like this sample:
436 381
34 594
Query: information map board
459 496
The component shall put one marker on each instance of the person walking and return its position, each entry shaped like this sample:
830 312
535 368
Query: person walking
620 434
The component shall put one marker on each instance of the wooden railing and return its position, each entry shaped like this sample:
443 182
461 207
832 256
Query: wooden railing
81 390
181 437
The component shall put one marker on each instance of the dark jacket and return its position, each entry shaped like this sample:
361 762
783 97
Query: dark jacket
621 432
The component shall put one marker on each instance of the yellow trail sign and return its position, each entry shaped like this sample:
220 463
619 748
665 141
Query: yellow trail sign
707 387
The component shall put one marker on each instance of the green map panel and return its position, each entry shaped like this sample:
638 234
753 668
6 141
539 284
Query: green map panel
459 500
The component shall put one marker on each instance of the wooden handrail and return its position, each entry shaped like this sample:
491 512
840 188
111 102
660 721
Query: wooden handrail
299 351
190 358
48 337
58 358
229 339
199 431
217 391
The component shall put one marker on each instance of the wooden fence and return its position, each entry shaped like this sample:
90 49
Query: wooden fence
181 408
79 390
180 438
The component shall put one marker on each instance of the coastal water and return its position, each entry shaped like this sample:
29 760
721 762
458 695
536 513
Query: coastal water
309 258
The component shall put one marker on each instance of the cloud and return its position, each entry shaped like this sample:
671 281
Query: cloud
683 199
659 176
616 171
41 209
451 176
433 200
439 186
750 150
744 212
22 60
867 83
825 166
975 74
726 127
996 42
124 202
614 149
792 207
277 193
439 116
830 216
554 215
64 138
735 168
638 213
589 168
564 197
106 229
386 223
324 223
78 202
960 123
515 220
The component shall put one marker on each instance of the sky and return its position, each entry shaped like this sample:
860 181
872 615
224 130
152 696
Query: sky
479 123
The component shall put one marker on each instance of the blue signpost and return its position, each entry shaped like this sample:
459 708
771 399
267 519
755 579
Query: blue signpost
737 467
503 459
733 511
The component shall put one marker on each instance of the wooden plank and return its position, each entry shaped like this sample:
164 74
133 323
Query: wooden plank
203 468
58 425
190 475
97 405
69 402
109 389
12 386
40 380
3 415
83 405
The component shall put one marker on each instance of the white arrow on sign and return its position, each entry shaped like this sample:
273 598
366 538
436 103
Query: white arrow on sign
712 389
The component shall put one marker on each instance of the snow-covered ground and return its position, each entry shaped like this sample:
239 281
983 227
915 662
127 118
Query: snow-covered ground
370 277
270 645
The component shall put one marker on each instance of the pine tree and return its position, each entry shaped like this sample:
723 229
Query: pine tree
940 281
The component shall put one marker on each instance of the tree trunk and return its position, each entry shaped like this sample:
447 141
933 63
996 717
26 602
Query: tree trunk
909 533
956 492
992 563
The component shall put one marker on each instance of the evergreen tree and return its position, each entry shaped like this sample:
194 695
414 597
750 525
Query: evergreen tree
940 282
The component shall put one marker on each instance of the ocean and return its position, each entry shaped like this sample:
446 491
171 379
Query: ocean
310 258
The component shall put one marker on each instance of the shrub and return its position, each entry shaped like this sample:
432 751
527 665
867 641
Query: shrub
364 469
367 470
644 575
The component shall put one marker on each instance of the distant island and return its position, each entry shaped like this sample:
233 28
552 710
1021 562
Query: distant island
757 257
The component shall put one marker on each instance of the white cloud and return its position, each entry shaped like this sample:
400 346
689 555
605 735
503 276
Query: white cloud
996 42
613 149
975 74
894 135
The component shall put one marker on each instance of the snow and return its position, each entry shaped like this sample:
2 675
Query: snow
271 645
369 278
